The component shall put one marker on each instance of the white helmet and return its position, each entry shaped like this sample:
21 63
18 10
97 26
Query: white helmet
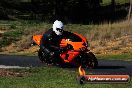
58 27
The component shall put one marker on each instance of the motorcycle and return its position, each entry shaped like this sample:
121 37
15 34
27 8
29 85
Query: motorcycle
77 55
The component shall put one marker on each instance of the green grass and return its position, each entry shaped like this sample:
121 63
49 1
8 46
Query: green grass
10 37
122 1
52 77
16 29
107 2
125 56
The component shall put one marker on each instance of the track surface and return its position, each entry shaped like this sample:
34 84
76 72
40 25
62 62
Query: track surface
105 66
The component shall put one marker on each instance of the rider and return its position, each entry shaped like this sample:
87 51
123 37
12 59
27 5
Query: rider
50 42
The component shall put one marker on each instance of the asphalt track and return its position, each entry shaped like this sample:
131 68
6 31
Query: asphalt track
105 66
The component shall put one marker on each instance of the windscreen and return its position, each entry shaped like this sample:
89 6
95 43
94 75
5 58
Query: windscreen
73 37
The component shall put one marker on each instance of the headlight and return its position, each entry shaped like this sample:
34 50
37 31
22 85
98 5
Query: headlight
86 44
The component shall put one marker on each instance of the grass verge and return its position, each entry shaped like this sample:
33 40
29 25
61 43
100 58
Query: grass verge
52 77
125 57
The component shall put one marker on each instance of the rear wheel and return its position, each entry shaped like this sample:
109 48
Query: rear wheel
89 60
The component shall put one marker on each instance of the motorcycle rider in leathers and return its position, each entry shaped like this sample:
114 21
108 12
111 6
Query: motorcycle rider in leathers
50 42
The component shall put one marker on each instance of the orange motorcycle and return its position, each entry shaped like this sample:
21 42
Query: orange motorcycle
78 55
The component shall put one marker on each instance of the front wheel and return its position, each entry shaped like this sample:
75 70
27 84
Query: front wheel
44 57
89 60
41 56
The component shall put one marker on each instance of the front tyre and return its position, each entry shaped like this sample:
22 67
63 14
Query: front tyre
41 56
44 57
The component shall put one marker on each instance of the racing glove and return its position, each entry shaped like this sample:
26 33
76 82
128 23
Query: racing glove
68 47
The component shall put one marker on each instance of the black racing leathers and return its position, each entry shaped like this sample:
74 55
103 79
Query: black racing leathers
50 42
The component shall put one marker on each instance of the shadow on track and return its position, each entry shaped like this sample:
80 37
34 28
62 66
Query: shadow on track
110 67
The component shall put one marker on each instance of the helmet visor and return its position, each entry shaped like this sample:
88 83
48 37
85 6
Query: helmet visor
60 30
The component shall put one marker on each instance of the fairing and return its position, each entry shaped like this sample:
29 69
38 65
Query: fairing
77 41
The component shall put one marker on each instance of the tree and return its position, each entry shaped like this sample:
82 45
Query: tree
130 8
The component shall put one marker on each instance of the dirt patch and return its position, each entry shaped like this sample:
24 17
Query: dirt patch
11 73
1 33
117 46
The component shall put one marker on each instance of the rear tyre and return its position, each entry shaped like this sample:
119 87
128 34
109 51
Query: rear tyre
89 60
